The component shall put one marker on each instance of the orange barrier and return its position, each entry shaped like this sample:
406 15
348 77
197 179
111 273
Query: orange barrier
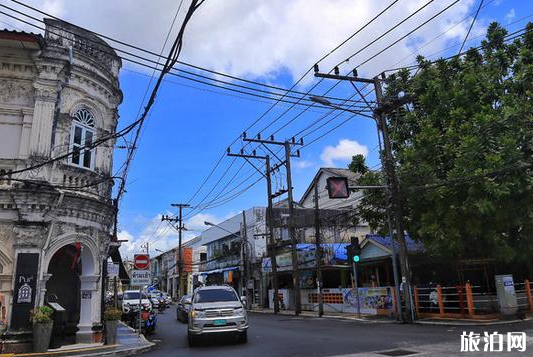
528 294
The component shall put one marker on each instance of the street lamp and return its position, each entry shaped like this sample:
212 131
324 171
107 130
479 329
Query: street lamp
323 101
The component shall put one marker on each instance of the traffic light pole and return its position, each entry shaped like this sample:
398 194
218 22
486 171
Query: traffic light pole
318 254
356 287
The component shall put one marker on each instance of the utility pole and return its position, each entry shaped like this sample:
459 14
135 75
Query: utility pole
180 228
287 145
395 198
246 261
388 163
318 254
271 245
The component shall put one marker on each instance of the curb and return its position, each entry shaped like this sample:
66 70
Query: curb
123 352
471 323
103 351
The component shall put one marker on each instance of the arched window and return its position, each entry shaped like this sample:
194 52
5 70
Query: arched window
81 137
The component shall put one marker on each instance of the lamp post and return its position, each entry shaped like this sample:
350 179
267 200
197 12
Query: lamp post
381 125
243 257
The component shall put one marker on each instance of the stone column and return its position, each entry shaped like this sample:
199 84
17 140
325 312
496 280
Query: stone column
89 307
41 285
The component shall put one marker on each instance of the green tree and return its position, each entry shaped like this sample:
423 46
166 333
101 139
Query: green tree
463 152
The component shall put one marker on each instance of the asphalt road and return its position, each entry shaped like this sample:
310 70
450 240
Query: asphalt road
284 336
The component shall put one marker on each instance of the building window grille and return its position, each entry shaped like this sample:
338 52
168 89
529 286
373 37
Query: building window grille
81 137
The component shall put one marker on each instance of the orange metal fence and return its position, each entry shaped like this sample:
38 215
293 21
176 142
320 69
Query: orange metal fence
465 301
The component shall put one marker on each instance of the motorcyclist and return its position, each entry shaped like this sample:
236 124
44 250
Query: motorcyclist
162 303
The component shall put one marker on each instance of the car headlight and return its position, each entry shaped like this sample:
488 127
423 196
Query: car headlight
198 314
238 311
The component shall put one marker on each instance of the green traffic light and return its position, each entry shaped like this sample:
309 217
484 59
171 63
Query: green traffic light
356 259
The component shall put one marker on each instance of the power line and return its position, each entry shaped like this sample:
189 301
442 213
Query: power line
208 80
327 91
471 25
299 80
440 35
409 33
158 56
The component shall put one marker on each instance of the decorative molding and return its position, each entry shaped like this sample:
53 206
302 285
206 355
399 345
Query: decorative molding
12 91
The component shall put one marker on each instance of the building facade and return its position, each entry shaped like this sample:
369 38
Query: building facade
235 249
58 95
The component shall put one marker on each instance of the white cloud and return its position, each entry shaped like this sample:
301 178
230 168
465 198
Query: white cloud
161 235
344 151
304 164
262 38
196 222
510 16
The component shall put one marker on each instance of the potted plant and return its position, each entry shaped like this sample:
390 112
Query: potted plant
111 318
41 317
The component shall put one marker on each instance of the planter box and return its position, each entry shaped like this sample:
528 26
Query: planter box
42 332
111 332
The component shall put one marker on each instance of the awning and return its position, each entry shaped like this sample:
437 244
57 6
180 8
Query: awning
114 253
214 271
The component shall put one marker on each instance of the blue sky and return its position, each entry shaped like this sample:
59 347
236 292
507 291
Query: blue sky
272 42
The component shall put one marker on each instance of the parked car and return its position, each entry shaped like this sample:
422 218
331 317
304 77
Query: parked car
217 309
130 300
183 308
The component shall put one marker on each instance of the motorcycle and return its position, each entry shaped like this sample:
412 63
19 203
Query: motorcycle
162 305
148 319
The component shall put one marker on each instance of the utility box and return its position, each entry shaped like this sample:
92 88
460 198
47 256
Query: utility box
506 294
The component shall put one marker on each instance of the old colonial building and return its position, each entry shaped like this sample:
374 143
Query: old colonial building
58 94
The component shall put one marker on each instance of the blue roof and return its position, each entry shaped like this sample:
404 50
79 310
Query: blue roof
412 245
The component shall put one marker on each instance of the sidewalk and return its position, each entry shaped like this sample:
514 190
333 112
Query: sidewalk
128 343
329 315
385 319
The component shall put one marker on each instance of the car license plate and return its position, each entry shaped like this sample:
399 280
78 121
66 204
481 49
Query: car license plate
219 322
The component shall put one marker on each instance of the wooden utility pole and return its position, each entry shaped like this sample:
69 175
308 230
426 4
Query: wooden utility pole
318 254
271 245
180 228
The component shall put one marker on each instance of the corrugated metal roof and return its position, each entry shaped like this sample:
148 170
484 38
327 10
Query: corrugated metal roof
21 39
412 245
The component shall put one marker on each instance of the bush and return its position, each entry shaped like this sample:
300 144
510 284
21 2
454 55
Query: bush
41 315
111 314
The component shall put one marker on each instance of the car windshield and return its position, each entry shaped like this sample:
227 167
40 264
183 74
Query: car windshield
185 298
133 295
214 295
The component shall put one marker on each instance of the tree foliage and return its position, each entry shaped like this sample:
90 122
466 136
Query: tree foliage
463 151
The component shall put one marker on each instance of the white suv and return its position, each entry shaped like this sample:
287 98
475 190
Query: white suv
130 301
217 310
